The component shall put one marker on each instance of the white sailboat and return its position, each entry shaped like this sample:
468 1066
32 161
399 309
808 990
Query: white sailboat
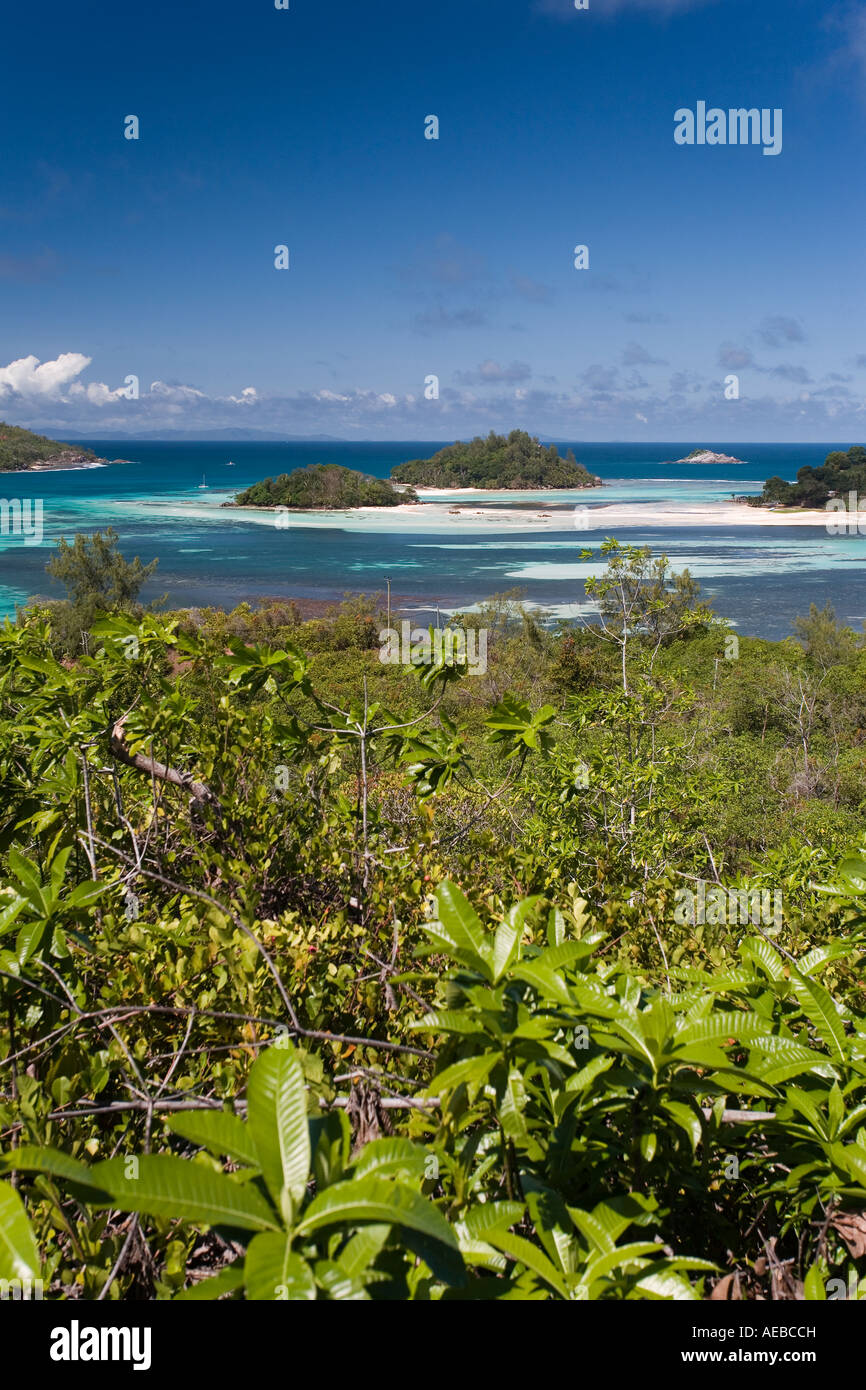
203 482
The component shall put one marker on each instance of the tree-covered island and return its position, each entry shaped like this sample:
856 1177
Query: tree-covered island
323 487
839 474
20 451
514 461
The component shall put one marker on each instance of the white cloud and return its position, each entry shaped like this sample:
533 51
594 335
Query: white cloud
96 392
47 380
171 392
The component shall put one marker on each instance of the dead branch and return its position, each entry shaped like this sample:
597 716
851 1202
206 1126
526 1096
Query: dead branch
200 793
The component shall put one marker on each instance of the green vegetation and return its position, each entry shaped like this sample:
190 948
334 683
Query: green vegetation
840 474
499 461
350 980
21 449
323 487
98 580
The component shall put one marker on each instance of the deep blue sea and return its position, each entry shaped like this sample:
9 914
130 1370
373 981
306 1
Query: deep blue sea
760 577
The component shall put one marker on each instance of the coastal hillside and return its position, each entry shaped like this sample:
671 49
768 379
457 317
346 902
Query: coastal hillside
517 460
19 449
323 487
840 473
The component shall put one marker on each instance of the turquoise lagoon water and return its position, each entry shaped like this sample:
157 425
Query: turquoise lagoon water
760 577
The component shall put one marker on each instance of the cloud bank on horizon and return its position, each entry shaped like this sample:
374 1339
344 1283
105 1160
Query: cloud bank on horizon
48 396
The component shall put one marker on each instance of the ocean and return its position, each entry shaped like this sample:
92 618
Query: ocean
759 577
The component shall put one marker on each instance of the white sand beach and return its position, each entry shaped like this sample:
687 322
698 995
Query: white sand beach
592 517
467 509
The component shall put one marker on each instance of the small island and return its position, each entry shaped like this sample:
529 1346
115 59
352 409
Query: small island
323 487
707 456
23 452
516 462
840 473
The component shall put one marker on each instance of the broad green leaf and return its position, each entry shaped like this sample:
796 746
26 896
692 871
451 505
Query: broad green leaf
26 872
755 948
509 933
33 1158
567 952
717 1026
821 1012
29 939
555 927
363 1248
9 911
603 1264
338 1285
685 1117
528 1254
163 1185
814 1290
448 1021
217 1131
489 1216
594 1230
19 1256
84 894
389 1157
461 921
512 1106
379 1200
546 981
851 1159
277 1121
852 872
472 1071
821 955
648 1143
273 1272
505 946
583 1079
664 1284
554 1227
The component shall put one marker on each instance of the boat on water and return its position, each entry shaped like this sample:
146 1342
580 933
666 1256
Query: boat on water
203 482
229 464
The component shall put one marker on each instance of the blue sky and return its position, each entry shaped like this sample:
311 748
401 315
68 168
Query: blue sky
411 257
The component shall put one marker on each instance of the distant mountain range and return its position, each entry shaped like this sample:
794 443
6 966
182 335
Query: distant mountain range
227 436
238 435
